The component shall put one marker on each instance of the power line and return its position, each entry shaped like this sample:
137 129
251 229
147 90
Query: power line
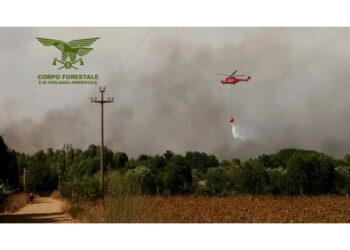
131 55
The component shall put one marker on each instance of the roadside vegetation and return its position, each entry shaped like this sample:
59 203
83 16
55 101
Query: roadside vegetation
287 172
131 182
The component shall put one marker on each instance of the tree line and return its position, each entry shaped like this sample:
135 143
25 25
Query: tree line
287 172
9 171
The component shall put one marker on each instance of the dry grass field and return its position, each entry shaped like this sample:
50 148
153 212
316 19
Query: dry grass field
199 209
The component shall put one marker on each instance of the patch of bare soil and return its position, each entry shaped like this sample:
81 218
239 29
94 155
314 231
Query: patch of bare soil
43 210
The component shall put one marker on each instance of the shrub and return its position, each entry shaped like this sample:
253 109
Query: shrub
276 181
342 180
76 211
122 199
203 189
217 181
252 177
5 191
141 180
177 176
85 188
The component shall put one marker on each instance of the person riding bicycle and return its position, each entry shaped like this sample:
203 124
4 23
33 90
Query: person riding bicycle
31 197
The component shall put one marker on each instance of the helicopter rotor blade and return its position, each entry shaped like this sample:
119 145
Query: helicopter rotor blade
221 74
234 73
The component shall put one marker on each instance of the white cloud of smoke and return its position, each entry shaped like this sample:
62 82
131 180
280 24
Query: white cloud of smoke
169 97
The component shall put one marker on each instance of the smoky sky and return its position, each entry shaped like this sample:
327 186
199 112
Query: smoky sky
168 96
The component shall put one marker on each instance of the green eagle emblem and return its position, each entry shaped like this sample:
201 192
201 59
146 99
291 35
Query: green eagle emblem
70 51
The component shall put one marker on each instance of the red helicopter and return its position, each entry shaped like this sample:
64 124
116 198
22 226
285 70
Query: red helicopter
233 79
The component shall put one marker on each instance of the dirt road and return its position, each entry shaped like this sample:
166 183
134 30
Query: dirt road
43 210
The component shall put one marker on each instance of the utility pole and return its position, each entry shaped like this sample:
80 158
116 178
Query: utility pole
59 179
66 147
102 101
24 179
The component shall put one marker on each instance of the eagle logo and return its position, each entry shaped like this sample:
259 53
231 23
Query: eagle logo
71 51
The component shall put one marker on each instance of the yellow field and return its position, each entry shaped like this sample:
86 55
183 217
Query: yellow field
239 209
243 209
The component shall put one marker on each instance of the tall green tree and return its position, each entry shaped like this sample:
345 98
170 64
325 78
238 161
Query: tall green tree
177 177
342 180
9 170
201 161
311 173
253 178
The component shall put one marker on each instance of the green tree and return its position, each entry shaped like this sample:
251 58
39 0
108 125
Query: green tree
220 181
276 181
157 170
267 161
168 155
200 161
40 176
252 177
120 159
342 180
140 180
236 161
177 177
347 159
84 187
9 171
311 173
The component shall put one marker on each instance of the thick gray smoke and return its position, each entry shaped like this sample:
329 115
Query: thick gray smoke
169 97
